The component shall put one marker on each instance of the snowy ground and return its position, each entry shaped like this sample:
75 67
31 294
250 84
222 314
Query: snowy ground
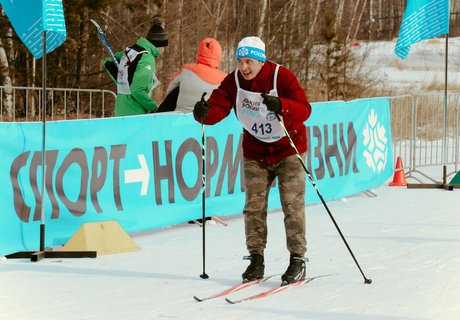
406 240
423 70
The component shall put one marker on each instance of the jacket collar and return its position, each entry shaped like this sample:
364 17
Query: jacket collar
262 82
147 45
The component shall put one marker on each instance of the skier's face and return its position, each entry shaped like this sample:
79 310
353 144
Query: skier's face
249 68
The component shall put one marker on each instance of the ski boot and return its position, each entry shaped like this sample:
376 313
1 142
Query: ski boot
255 269
296 270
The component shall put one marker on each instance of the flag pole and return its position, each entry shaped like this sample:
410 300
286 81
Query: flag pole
47 11
443 184
43 102
43 252
444 142
442 12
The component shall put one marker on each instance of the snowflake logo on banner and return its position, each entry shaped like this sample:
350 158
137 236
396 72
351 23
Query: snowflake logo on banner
243 52
375 143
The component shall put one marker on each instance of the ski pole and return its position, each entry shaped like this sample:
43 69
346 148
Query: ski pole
366 280
203 198
103 38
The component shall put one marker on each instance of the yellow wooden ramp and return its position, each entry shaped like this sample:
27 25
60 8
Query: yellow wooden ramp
105 237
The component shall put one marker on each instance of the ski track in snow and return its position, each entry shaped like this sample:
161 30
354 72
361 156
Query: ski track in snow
406 240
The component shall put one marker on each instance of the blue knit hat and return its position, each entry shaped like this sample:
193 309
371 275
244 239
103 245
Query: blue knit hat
251 47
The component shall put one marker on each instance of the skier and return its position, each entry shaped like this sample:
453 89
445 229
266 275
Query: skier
192 79
135 77
258 91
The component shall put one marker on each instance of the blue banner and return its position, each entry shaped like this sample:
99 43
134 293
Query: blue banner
30 18
423 19
146 171
350 147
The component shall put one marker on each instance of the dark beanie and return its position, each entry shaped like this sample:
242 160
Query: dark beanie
157 35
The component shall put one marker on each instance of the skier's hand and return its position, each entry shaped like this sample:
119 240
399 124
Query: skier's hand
273 103
201 108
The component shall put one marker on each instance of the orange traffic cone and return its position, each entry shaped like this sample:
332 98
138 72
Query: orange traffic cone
399 179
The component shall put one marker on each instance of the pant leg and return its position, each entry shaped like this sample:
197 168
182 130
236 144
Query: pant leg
257 179
291 179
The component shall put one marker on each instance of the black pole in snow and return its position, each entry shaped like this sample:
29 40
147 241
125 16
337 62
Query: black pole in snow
203 197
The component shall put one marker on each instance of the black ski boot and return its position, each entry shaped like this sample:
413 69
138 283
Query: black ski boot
296 270
255 269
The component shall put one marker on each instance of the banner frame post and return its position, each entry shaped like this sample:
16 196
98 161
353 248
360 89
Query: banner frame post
43 252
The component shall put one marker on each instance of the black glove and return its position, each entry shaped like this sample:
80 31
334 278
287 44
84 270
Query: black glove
273 103
201 108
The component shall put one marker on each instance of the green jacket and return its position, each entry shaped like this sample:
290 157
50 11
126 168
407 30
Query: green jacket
141 80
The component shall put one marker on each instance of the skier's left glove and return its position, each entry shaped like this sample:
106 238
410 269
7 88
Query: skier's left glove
201 108
273 103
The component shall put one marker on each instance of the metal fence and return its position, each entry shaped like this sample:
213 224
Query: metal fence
24 103
417 122
418 127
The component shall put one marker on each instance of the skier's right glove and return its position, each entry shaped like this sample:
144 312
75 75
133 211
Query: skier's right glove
201 108
273 103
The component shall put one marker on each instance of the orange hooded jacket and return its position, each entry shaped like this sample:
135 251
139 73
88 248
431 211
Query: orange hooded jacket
195 78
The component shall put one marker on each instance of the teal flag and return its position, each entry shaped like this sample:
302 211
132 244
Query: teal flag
423 19
31 17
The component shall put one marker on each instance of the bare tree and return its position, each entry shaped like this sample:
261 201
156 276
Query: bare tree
338 19
353 19
291 30
82 48
7 99
262 15
359 19
315 19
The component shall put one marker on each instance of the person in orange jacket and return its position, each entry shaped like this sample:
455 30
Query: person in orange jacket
192 79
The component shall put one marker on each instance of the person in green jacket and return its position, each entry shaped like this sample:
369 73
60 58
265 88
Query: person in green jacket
135 74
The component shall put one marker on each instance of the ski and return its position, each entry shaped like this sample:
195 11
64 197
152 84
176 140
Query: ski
273 290
234 288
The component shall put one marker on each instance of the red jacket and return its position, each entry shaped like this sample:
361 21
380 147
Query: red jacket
295 111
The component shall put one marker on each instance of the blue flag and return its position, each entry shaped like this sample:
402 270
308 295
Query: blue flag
423 19
31 17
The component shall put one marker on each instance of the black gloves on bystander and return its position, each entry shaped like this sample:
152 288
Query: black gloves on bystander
273 103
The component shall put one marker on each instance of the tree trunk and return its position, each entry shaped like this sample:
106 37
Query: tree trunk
338 20
314 22
353 18
181 32
8 92
262 14
380 18
82 49
359 19
219 16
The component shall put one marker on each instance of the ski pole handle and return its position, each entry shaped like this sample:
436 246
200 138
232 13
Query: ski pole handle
202 100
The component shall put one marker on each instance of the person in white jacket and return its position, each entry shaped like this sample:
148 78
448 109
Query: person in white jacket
193 79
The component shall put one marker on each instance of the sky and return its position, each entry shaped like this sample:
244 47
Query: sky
406 240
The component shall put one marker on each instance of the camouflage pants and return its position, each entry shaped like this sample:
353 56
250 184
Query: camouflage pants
258 180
